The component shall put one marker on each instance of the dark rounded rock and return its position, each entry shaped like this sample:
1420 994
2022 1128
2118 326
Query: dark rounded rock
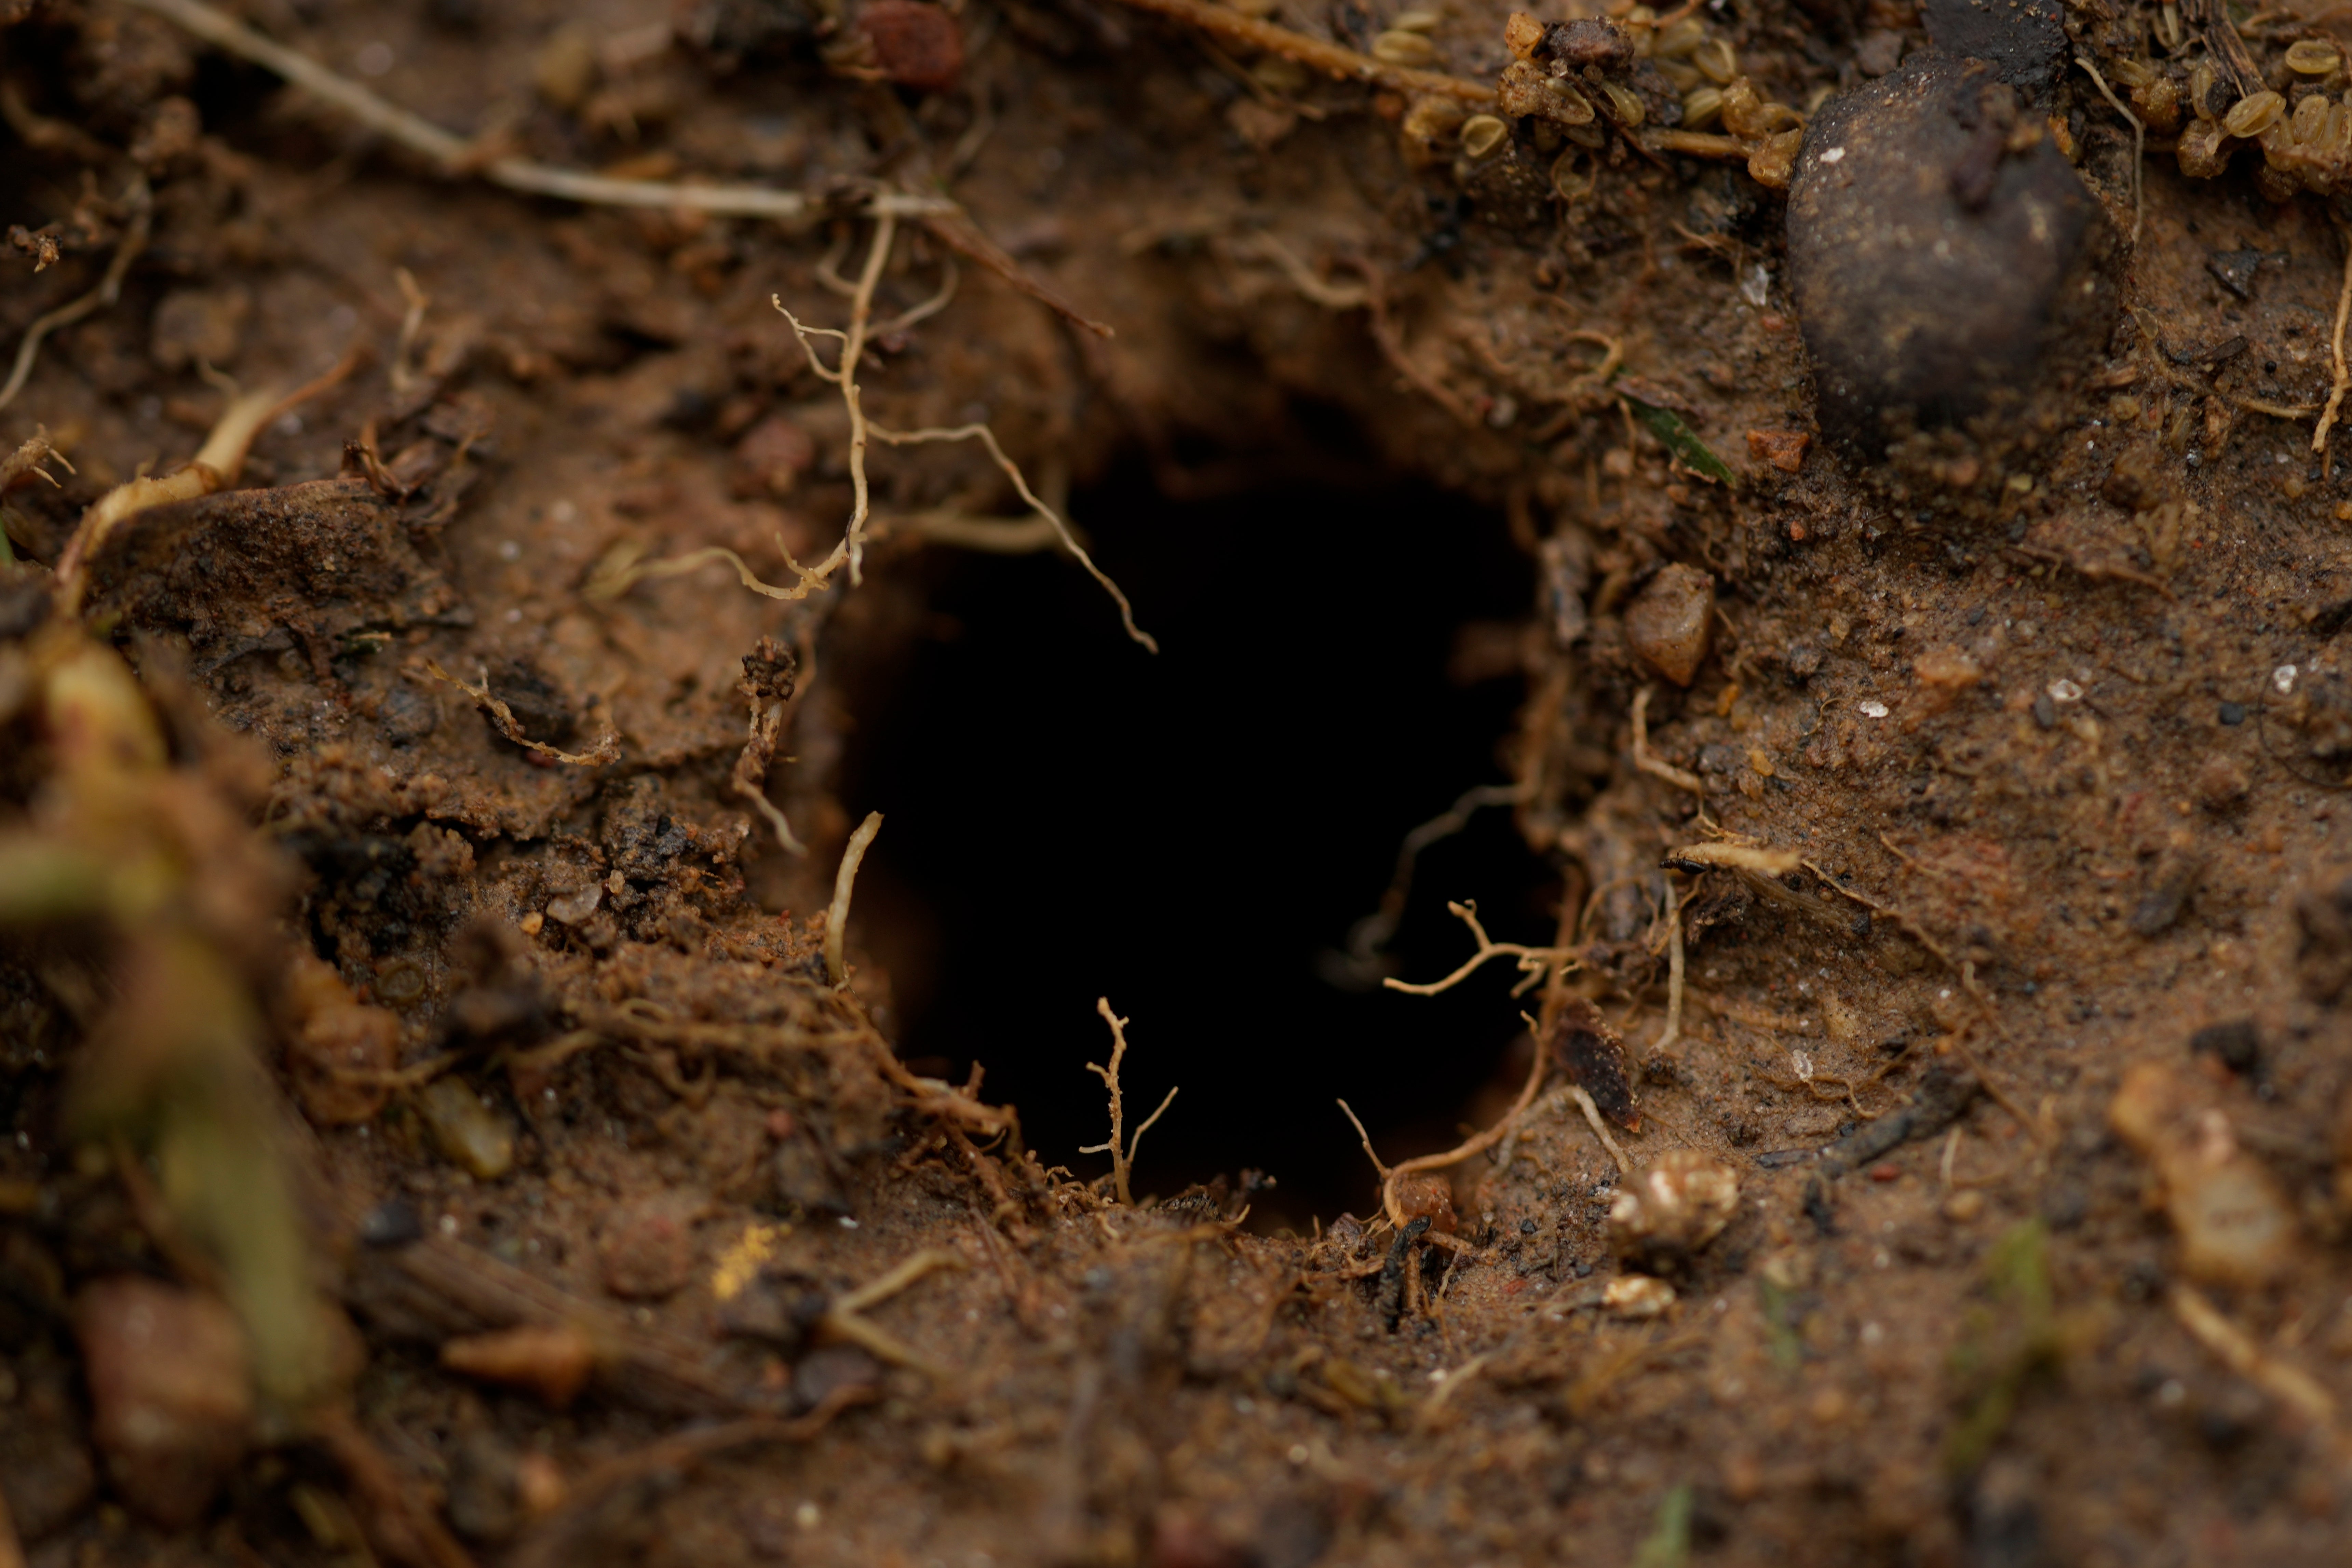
2023 40
1942 254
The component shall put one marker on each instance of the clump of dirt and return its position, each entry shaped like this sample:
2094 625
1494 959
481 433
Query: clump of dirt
447 1044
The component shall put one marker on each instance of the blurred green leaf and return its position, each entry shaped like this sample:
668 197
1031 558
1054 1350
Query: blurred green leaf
1667 426
1668 1545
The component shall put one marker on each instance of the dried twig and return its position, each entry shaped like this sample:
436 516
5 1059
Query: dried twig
1467 1149
844 1317
456 154
1599 1129
2139 138
2290 1386
618 573
215 467
959 233
845 881
1370 935
608 745
1122 1157
1330 296
1229 26
987 438
108 289
1534 963
1674 1029
1652 765
2343 378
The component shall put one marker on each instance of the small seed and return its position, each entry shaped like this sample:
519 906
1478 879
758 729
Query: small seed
1432 118
2309 56
2310 121
2337 137
1570 106
1715 61
2253 115
1681 74
2132 73
1401 48
1282 77
1482 133
1573 176
1420 20
1701 109
2200 90
1624 104
1775 159
1686 35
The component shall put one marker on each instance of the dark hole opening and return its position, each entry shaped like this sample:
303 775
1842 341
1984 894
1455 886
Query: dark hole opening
1193 836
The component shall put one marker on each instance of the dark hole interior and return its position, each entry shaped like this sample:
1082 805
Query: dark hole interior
1193 834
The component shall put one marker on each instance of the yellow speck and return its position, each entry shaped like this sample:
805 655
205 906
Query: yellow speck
740 1263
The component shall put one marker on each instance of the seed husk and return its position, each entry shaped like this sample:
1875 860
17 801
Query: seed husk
2309 56
1398 47
2254 114
1482 133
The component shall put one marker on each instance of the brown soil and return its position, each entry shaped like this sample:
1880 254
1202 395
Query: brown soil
1941 832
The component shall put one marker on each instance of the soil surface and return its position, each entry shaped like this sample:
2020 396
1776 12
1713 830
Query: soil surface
1838 492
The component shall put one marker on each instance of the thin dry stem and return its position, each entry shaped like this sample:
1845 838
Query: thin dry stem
984 535
843 1319
1120 1148
608 746
987 438
2343 379
456 154
1229 26
845 881
1534 963
1372 933
215 467
1469 1147
108 289
1599 1129
1349 1111
618 575
1673 1030
2239 1350
1652 765
2139 138
1330 296
412 322
851 551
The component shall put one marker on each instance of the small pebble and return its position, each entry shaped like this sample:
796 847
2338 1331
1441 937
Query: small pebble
1671 621
916 44
1671 1207
171 1396
1637 1296
472 1135
647 1250
554 1361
